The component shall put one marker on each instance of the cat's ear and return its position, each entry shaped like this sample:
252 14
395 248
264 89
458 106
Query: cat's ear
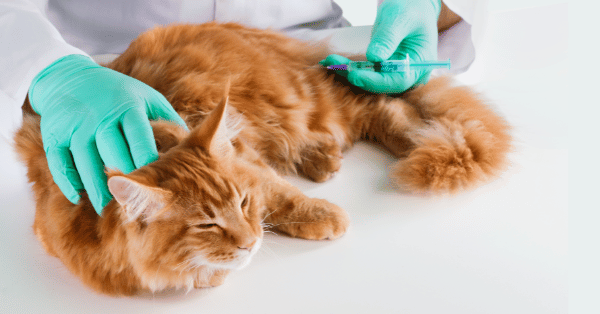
137 199
212 133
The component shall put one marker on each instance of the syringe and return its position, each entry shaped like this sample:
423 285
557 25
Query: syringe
390 65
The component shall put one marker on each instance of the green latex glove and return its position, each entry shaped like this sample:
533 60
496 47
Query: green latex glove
91 117
401 27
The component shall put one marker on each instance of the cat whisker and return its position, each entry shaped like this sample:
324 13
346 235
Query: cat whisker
274 242
261 222
293 222
269 231
271 252
266 225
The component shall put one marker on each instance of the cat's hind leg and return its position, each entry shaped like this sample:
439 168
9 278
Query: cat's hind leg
389 121
320 162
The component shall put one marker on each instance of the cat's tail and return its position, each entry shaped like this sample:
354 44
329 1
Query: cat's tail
462 141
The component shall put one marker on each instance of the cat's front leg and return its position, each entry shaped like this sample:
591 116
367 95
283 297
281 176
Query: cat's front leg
288 210
297 215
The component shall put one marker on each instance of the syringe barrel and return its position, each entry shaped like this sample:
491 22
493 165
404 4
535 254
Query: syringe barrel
384 66
396 65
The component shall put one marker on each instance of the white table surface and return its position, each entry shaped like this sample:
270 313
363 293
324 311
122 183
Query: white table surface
501 248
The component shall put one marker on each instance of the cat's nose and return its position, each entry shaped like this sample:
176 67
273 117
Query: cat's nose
248 245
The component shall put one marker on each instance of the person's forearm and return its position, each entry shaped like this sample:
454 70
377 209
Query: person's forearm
447 18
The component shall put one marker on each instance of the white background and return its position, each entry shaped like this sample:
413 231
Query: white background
501 248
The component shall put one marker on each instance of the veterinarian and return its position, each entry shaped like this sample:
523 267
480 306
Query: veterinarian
94 117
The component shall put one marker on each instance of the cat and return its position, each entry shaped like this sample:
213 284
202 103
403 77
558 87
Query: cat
257 107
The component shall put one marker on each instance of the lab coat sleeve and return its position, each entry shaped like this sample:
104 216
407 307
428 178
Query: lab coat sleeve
461 42
473 12
28 44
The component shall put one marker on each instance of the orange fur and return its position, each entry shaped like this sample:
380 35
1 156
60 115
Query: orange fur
199 211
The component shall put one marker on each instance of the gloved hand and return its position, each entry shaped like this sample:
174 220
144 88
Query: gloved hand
93 116
401 27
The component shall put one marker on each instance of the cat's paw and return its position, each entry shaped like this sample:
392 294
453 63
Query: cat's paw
317 220
216 279
320 163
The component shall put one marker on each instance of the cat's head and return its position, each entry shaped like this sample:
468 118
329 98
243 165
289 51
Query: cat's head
197 205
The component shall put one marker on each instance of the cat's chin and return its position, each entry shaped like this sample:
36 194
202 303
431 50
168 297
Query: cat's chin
236 264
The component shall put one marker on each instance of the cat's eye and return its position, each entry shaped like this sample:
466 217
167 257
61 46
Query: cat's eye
244 201
205 226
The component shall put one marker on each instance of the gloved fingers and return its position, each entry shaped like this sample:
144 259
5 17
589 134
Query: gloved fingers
424 78
333 60
160 108
418 46
91 171
390 28
64 173
377 82
113 148
416 53
138 133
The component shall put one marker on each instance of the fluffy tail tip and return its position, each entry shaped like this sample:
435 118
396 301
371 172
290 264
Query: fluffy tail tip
449 157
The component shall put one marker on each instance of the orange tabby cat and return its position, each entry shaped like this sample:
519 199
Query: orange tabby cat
198 212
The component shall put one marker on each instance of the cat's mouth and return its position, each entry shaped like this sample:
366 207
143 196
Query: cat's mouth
244 256
241 259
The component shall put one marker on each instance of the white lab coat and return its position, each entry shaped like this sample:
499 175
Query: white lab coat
29 41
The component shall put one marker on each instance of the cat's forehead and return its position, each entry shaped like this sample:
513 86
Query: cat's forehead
217 192
202 184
